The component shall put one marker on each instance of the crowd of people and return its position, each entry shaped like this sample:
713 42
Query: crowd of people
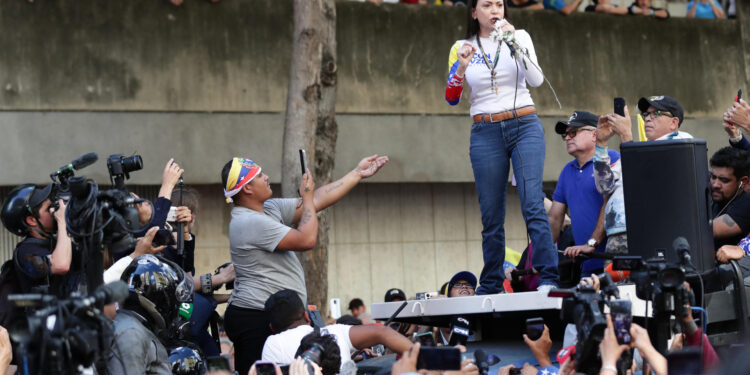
711 9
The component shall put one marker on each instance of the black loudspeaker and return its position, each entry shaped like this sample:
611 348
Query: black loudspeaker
668 195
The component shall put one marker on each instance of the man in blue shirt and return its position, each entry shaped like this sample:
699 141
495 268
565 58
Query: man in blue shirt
704 9
563 6
576 190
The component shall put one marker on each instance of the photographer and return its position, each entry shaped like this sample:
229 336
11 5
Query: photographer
262 243
204 301
326 351
156 215
45 253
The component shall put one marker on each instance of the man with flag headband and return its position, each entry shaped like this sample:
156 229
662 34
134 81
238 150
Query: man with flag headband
262 241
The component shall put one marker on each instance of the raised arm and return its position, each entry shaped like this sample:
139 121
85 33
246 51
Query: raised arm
534 74
459 58
333 192
62 255
304 237
718 12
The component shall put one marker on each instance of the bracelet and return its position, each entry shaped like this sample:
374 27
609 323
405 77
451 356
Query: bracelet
206 286
608 368
652 12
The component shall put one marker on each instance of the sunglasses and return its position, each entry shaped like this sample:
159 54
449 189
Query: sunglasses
574 131
655 114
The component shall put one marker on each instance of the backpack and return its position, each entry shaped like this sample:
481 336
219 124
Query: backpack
8 285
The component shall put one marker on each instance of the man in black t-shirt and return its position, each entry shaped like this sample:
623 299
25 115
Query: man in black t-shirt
731 205
45 254
730 210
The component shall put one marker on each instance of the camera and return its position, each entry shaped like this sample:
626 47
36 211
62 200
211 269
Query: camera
582 306
426 295
312 355
658 281
63 336
229 285
120 167
104 219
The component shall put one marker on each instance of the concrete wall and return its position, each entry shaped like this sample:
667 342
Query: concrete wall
148 55
422 148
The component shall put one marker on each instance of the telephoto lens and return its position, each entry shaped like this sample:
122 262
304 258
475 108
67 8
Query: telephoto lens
312 355
132 163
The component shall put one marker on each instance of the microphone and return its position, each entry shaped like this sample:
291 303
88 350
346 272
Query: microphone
115 291
80 162
615 274
482 361
459 331
682 247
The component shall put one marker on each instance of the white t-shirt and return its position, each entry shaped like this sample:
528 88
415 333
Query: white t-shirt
280 348
509 87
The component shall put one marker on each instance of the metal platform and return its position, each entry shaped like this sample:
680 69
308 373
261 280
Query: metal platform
438 312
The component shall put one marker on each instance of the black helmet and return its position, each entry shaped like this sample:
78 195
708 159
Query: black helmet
161 282
19 204
186 361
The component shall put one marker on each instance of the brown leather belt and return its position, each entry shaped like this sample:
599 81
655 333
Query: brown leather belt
507 115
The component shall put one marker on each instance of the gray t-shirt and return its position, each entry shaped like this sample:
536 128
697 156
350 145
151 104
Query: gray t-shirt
260 269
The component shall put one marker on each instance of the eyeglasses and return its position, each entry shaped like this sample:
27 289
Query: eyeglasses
574 131
656 114
463 286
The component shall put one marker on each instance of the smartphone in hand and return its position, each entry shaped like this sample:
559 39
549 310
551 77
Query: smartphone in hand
620 310
439 358
620 106
534 328
302 157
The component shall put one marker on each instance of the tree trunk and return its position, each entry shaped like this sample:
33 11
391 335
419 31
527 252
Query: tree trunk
311 124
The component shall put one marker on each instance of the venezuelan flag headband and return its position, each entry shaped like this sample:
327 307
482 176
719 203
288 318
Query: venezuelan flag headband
242 171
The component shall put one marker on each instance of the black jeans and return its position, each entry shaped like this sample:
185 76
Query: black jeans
248 329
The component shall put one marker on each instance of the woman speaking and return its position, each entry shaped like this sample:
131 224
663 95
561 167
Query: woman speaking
497 61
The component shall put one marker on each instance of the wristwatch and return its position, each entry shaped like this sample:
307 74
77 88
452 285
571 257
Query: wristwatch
592 242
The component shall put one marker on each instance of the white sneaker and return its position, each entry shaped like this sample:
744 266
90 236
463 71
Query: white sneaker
545 288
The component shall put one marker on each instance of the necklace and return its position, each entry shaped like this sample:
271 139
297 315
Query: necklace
492 66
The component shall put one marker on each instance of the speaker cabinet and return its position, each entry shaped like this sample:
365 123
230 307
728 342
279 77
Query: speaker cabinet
667 195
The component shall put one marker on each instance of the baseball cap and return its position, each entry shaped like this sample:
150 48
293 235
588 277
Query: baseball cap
465 276
662 103
576 120
393 294
39 195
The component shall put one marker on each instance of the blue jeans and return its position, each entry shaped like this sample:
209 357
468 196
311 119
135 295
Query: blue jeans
493 146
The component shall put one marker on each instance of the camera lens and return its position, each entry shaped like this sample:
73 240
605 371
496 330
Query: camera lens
671 277
132 163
